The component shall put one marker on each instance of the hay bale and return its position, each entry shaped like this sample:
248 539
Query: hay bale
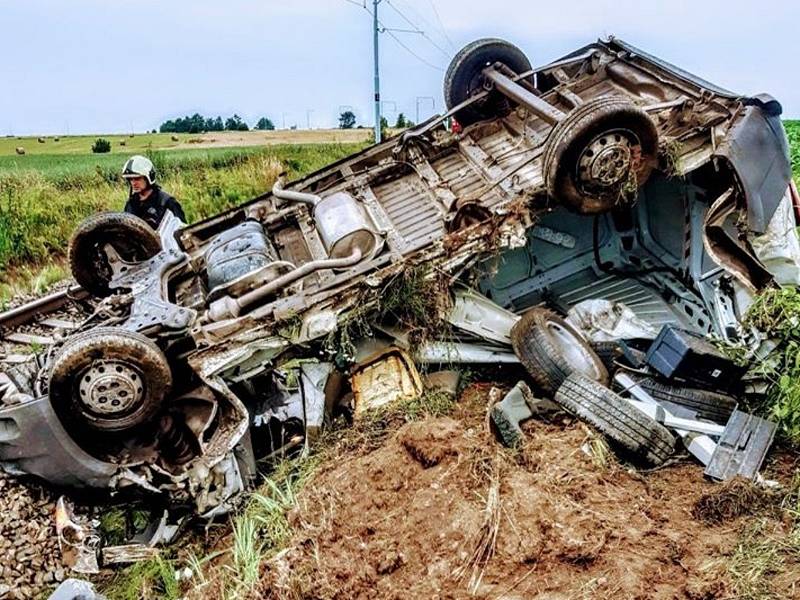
41 140
56 139
174 138
20 150
122 142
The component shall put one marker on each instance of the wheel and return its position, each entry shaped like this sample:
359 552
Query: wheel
599 155
109 378
633 430
707 404
464 77
132 238
550 349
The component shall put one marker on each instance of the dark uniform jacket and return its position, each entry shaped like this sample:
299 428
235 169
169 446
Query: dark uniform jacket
153 209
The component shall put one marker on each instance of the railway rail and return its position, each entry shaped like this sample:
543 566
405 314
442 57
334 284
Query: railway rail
41 321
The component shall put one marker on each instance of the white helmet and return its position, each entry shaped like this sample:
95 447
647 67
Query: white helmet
139 166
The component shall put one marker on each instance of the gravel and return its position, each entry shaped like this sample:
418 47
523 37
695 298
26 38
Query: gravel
30 559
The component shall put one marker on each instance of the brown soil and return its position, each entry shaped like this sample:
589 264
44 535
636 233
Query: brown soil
441 511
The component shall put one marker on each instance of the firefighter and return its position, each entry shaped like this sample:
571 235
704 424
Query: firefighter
146 199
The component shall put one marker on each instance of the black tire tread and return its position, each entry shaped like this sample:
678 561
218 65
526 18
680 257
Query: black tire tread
570 129
498 50
615 418
714 406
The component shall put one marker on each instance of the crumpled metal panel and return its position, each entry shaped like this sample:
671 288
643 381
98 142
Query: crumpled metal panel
758 150
33 441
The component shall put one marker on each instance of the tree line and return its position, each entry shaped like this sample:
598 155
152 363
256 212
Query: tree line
197 123
347 120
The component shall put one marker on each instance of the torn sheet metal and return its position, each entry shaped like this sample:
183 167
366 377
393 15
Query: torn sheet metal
386 378
477 314
77 538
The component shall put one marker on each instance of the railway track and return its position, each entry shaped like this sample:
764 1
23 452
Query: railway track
40 322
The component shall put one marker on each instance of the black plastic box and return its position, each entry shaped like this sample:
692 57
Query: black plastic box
680 354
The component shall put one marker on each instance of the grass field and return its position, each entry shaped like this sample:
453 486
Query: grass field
140 142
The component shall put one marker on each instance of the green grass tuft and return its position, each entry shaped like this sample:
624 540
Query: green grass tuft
776 313
152 579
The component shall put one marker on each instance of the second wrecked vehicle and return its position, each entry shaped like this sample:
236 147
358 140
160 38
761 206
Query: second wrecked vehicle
606 174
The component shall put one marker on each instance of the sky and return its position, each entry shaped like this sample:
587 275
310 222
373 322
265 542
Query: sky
111 66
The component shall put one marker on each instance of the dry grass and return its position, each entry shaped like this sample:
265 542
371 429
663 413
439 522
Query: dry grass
734 498
484 541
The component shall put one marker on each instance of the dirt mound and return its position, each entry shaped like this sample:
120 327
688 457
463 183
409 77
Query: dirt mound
441 511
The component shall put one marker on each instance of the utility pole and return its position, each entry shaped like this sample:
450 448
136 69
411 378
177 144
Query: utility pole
377 71
308 117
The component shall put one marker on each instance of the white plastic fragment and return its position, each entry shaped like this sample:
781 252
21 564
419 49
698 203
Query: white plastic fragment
604 321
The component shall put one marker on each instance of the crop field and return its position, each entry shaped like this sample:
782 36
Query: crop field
793 133
140 142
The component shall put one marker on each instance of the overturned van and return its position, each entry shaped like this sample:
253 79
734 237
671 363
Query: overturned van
607 173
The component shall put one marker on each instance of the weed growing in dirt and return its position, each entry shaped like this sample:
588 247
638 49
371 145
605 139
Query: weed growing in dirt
416 299
147 580
373 427
761 555
261 528
733 499
669 157
776 313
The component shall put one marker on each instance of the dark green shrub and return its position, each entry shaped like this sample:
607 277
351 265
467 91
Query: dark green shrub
101 146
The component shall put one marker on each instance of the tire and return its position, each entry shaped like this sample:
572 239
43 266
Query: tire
464 78
599 155
551 350
713 406
109 378
132 238
631 429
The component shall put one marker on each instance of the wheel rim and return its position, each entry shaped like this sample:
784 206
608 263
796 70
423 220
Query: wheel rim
607 161
574 352
111 388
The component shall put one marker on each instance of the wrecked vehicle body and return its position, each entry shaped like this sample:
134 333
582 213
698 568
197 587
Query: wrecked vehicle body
606 174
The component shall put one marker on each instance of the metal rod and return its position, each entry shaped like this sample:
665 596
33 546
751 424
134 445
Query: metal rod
227 307
304 197
515 91
377 71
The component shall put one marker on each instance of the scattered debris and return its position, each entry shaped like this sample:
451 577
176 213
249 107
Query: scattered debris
549 221
79 542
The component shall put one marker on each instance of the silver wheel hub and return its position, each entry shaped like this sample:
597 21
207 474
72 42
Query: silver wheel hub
606 160
574 352
110 387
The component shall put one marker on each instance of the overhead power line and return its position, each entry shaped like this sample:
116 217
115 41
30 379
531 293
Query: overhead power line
441 25
417 29
379 27
391 31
